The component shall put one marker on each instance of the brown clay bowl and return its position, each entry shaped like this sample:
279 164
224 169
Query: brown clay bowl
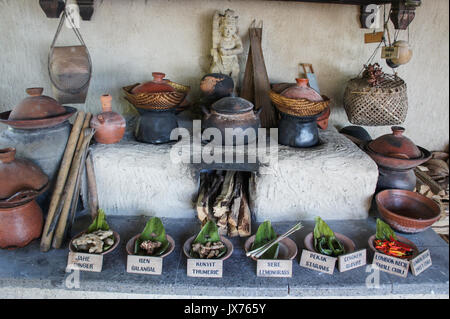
226 242
116 243
130 246
400 239
349 245
287 248
406 211
38 123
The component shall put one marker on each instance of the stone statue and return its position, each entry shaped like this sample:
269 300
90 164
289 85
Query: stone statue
226 45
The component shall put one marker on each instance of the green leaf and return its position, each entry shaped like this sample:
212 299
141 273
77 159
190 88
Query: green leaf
99 222
155 232
208 233
321 229
265 234
325 242
384 231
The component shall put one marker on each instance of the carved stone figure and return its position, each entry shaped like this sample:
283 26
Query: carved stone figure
226 45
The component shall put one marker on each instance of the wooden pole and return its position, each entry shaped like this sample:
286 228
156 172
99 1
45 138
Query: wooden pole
92 187
61 180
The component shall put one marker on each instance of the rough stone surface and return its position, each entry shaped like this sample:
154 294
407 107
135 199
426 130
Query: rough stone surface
335 180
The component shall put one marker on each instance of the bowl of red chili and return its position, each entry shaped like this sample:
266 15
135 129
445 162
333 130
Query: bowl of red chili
400 248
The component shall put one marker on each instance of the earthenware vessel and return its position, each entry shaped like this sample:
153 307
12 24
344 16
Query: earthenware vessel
215 86
298 131
348 244
301 90
130 246
114 246
400 239
188 243
406 211
287 248
233 113
109 126
157 85
156 126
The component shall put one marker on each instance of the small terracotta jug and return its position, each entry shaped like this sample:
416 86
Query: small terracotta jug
301 90
109 126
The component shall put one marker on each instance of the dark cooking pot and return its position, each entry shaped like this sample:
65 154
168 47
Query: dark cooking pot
155 126
298 131
233 113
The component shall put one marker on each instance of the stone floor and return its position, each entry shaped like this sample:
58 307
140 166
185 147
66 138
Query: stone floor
28 273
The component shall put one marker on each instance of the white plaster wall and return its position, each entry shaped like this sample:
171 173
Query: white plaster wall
128 39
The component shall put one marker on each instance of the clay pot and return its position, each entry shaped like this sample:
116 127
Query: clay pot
233 113
400 239
158 85
322 120
404 54
348 244
302 91
298 131
37 111
18 174
287 248
131 243
406 211
114 246
226 242
20 225
109 126
215 86
154 126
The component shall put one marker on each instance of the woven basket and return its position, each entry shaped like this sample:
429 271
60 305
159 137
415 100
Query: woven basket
157 101
298 107
384 104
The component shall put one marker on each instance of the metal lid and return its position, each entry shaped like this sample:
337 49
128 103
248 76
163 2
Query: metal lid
232 105
36 106
395 145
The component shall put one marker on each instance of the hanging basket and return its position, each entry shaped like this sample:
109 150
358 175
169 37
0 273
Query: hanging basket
386 103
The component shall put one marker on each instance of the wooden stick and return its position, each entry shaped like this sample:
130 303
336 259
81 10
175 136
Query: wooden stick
245 218
69 191
92 186
61 180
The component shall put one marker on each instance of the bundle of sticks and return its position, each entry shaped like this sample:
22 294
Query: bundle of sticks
64 200
223 198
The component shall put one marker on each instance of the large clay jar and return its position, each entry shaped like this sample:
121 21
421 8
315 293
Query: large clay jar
158 85
301 90
109 126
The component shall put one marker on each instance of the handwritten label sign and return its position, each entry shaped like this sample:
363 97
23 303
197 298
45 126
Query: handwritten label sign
352 261
274 268
144 265
373 37
421 263
204 268
391 265
317 262
85 262
389 52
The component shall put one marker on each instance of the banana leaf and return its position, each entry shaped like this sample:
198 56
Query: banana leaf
265 234
325 242
99 222
155 232
384 231
208 233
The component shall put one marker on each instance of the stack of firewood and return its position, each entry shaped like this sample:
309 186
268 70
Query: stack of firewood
223 198
433 182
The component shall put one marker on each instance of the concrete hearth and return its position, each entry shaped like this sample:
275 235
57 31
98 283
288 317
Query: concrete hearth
335 180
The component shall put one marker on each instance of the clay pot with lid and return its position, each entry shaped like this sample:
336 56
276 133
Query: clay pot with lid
37 111
301 90
157 85
233 113
109 126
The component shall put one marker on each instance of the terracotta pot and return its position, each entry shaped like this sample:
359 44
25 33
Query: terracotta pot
322 120
131 243
114 246
109 126
18 175
158 85
400 239
287 248
37 111
348 244
20 225
302 91
406 211
226 242
233 113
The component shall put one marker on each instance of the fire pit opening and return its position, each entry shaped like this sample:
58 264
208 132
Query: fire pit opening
224 196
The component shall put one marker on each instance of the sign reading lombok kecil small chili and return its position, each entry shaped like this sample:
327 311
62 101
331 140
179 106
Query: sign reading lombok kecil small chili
274 268
208 268
391 265
421 263
317 262
352 260
144 265
85 262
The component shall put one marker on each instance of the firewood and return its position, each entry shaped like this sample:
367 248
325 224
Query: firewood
223 225
435 187
245 219
221 206
202 208
234 213
232 231
424 188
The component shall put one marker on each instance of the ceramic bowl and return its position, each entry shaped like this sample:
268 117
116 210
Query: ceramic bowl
114 246
287 248
349 245
400 239
130 246
226 242
406 211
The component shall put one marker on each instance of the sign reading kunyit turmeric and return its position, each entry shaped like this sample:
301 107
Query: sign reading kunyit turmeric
204 268
85 262
392 265
317 262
